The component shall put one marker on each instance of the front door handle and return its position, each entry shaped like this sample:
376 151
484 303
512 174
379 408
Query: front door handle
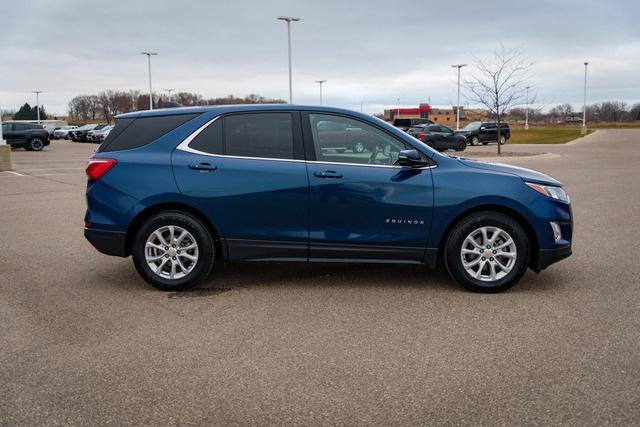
327 174
202 166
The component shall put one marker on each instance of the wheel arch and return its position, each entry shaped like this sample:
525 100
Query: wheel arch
134 224
513 213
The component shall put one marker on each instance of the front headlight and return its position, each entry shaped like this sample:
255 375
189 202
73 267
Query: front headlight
554 192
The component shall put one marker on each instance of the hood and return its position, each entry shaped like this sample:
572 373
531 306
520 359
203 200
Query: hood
526 174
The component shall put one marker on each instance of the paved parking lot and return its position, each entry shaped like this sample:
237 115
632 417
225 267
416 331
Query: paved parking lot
85 341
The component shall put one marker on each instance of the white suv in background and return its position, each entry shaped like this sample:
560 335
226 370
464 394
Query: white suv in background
63 132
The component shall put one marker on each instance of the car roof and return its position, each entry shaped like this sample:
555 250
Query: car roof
222 109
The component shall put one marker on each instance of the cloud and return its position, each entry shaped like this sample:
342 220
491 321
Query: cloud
372 52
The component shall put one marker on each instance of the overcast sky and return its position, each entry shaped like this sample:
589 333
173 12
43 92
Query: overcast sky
369 51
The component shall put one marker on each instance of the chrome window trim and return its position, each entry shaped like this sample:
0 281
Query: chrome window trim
184 146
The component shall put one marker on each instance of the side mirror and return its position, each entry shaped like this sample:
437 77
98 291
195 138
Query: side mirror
482 128
410 158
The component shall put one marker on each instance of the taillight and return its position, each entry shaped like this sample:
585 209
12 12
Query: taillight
421 135
98 167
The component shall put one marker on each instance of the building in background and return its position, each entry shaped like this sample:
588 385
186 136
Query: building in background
422 112
438 115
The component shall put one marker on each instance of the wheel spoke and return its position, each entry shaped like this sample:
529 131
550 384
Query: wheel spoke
479 272
155 246
159 267
173 269
472 263
188 256
492 269
509 242
506 254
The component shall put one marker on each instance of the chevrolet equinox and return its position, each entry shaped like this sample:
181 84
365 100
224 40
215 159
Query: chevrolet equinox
182 189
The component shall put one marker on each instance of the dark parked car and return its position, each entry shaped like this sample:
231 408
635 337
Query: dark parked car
80 134
183 189
26 135
405 124
439 137
485 132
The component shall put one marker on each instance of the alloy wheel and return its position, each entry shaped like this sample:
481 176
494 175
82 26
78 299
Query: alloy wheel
488 254
171 252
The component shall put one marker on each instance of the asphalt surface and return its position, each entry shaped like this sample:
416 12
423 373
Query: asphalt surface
84 341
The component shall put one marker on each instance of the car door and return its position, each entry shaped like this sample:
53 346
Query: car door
8 132
362 205
247 172
488 132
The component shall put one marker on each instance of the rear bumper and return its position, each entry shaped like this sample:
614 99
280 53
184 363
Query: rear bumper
546 257
108 242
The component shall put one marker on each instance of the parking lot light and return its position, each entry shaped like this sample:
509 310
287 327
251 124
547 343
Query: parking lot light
526 111
583 130
149 54
320 82
289 20
5 150
458 66
38 92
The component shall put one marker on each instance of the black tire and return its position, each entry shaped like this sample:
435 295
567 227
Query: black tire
200 232
455 240
485 142
461 146
475 140
358 147
36 144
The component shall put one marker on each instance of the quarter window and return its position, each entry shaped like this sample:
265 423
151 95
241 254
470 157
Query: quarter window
264 135
339 139
210 139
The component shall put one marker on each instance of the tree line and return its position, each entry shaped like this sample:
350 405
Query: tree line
108 104
608 111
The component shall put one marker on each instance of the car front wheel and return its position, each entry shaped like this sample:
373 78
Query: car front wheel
487 252
461 146
173 251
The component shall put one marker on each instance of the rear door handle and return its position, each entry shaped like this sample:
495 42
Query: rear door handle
327 174
203 166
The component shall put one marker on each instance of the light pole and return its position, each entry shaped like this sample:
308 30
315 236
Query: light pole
38 92
583 130
149 55
458 66
398 110
169 92
320 82
526 111
289 20
5 150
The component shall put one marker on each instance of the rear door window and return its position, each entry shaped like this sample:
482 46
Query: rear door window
261 135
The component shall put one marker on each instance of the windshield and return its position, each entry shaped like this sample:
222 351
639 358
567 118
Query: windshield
472 126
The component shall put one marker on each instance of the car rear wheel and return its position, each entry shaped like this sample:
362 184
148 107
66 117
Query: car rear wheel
358 147
36 144
487 252
503 140
475 140
173 251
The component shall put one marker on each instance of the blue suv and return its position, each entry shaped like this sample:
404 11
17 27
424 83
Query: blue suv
181 189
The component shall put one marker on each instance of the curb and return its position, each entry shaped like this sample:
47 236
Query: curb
580 139
511 158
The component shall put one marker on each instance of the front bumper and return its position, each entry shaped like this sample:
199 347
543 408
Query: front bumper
108 242
546 257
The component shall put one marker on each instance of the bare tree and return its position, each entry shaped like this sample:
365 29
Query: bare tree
499 83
